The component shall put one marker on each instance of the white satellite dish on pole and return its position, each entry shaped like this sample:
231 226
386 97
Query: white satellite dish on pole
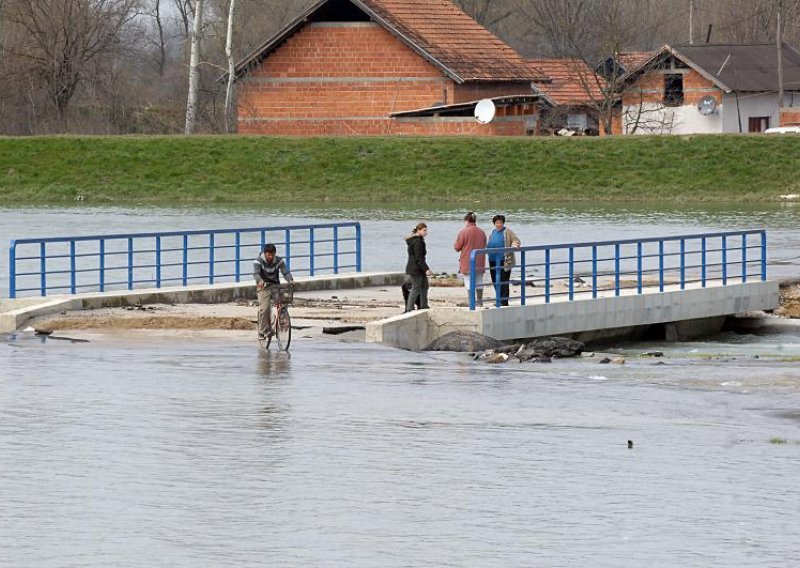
707 105
485 111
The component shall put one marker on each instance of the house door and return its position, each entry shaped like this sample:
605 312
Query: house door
758 123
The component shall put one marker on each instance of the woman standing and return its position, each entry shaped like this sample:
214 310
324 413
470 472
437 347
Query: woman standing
417 268
500 264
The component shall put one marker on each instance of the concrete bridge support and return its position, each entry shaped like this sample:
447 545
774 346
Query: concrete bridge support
691 312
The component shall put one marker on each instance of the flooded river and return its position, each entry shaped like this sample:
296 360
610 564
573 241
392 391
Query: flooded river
206 452
136 451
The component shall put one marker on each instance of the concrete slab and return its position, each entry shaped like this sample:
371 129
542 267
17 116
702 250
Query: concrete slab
18 312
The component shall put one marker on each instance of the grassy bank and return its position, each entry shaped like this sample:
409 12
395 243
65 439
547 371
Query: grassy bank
197 170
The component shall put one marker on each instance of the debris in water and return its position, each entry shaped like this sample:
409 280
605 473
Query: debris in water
337 330
652 354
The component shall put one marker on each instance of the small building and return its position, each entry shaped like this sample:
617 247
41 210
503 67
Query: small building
577 94
516 115
698 89
347 67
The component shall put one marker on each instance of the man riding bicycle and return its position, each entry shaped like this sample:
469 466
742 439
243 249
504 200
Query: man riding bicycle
266 270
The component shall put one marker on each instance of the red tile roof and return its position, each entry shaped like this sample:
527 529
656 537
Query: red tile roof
632 59
436 29
573 82
454 39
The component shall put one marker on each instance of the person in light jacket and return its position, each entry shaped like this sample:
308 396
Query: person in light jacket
500 264
469 239
417 267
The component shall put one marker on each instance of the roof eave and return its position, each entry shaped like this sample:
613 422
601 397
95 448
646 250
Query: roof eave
672 51
281 36
408 41
538 97
700 70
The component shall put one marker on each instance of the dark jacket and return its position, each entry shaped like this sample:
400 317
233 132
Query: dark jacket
417 251
267 272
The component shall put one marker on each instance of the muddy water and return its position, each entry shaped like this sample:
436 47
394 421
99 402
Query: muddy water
145 452
141 452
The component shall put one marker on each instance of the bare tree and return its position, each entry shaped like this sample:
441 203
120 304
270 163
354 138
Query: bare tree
488 13
229 110
194 68
62 37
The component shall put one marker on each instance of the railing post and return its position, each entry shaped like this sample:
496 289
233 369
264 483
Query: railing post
158 261
522 278
763 256
238 256
639 278
616 269
724 260
660 266
744 257
311 251
12 270
287 245
571 274
472 281
594 271
72 276
498 285
211 258
130 263
358 247
683 264
43 268
336 250
102 265
547 276
185 259
703 261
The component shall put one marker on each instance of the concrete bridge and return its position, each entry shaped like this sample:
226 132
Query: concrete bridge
673 287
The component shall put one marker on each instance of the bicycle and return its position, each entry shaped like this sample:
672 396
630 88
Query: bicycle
280 320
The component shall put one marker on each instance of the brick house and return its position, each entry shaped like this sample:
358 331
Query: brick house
348 67
695 89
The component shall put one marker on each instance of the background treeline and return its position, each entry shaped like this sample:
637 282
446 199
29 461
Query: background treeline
121 66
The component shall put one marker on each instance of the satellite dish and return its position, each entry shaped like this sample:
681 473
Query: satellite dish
707 105
485 111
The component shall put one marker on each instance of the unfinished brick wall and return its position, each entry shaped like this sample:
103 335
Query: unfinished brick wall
338 78
650 89
476 91
790 117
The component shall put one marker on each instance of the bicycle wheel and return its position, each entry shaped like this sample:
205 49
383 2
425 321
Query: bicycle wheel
283 329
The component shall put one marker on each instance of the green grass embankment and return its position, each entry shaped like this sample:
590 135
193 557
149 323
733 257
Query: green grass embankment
204 169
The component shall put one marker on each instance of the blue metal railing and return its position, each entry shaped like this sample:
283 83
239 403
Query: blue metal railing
100 263
615 266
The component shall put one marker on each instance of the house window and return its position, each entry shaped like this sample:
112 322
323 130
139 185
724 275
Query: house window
758 123
673 90
577 122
